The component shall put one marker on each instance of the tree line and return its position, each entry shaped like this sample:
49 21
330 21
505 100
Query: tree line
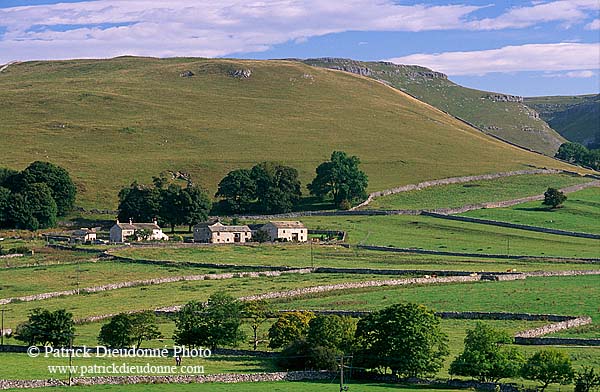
579 154
33 198
267 187
405 340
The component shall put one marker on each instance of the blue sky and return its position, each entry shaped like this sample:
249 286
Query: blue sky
527 48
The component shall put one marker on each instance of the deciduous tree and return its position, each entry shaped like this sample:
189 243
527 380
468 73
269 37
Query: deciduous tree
211 324
547 367
485 357
341 179
47 328
289 327
406 338
554 198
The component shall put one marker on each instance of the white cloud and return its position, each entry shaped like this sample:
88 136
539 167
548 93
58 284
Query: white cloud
593 25
202 28
572 74
568 12
531 57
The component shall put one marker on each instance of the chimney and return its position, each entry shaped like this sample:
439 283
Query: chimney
155 221
130 221
117 221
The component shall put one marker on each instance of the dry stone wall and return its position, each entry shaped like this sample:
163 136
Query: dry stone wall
452 180
512 225
179 379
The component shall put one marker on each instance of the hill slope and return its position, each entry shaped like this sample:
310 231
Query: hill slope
577 118
112 121
501 115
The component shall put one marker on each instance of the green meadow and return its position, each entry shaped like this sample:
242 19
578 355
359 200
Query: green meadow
421 232
581 212
301 255
457 195
566 295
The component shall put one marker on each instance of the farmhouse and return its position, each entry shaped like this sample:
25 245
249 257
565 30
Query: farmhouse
286 231
218 233
120 232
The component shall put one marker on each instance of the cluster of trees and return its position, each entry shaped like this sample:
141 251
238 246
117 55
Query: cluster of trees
487 358
33 198
405 339
166 201
273 188
579 154
268 186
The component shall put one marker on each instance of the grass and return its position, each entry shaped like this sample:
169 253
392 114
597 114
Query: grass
457 195
455 329
26 281
421 232
581 212
299 255
567 295
154 296
131 110
509 120
281 386
22 367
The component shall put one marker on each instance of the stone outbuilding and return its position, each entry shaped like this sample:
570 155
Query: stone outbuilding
83 235
218 233
122 232
293 231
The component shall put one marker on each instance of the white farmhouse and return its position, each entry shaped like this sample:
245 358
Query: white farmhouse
293 231
122 232
218 233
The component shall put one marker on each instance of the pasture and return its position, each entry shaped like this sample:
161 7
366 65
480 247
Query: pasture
457 195
581 212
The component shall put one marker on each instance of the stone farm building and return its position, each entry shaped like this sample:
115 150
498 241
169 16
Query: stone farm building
293 231
218 233
83 235
122 232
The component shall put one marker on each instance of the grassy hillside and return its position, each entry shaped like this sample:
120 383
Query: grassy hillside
112 121
577 118
498 114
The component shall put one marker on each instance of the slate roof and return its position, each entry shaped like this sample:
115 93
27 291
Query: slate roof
288 224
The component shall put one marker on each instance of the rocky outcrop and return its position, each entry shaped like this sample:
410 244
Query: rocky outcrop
364 71
243 73
186 74
503 98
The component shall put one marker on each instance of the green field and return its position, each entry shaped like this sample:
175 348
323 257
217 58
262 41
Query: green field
337 256
507 120
154 296
421 232
581 212
26 281
131 110
458 195
569 295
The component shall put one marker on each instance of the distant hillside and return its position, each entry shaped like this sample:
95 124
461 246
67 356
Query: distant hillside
110 122
501 115
577 118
